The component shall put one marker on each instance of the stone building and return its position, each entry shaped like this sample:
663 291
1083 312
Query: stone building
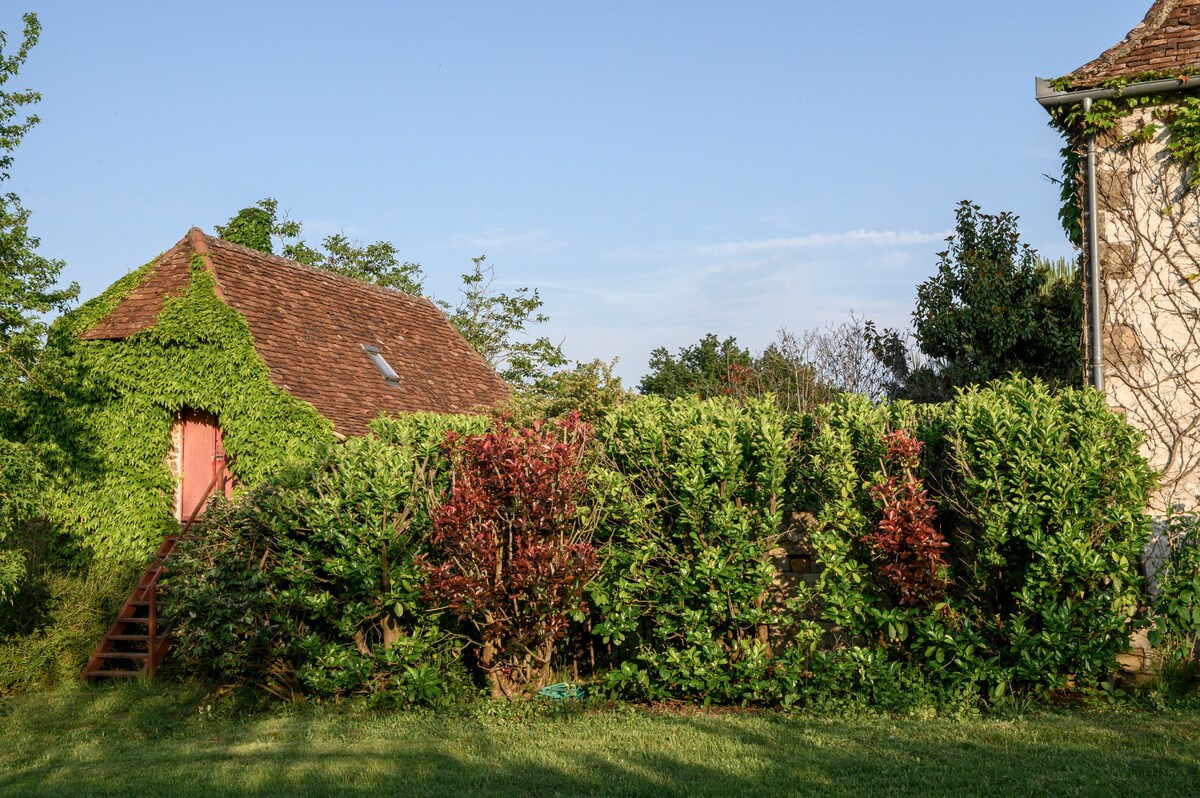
1136 108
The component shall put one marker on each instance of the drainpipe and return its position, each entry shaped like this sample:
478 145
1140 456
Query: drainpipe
1049 98
1091 220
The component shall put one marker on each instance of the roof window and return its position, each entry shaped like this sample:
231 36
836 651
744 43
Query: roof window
389 374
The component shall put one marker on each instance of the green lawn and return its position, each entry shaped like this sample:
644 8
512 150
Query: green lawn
149 741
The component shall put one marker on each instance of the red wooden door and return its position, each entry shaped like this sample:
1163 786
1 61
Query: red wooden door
201 461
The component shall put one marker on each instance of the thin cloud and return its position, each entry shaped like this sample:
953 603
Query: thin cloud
875 238
781 245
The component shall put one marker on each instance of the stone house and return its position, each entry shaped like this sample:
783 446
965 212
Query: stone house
1132 121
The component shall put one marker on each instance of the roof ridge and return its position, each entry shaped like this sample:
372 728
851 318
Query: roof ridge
317 270
200 247
1154 19
1142 36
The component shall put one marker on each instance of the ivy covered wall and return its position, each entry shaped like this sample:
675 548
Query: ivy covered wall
106 433
1149 252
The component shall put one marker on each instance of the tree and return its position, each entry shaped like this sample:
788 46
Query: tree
710 368
800 372
377 263
992 309
27 279
588 390
27 292
806 369
493 322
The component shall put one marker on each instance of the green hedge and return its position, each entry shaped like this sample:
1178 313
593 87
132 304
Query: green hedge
693 492
1039 497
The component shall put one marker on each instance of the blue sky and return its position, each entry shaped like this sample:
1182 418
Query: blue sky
656 170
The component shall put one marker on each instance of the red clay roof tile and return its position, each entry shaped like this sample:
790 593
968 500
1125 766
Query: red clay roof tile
1167 40
310 325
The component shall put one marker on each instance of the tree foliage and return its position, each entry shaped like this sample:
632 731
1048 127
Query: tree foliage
708 368
378 263
589 389
494 322
799 371
992 309
27 292
27 279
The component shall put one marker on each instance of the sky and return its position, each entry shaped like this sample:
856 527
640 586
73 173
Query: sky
656 170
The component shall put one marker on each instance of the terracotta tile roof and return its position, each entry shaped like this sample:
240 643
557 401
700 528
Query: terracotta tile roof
1167 40
138 311
310 326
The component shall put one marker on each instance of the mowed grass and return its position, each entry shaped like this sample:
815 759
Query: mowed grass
153 740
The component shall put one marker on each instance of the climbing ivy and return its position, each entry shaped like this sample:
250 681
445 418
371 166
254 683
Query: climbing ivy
106 431
1181 115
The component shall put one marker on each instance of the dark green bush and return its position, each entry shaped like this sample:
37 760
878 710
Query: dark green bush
694 503
1175 606
1041 498
308 584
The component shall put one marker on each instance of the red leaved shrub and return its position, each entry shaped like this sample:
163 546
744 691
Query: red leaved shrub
904 540
508 555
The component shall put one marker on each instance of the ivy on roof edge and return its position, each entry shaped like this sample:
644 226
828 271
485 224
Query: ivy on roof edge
1182 119
107 433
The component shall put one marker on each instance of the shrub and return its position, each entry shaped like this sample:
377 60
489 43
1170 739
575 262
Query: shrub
309 585
1175 606
964 550
509 554
56 620
1040 499
693 493
904 538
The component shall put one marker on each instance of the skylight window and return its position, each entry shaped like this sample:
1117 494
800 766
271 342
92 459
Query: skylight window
389 374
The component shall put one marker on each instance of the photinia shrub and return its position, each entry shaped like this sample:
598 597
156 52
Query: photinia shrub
509 555
904 540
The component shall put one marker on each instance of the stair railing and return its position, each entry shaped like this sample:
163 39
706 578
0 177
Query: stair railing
154 657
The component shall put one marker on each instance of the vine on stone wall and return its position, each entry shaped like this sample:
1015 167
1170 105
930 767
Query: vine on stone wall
1180 115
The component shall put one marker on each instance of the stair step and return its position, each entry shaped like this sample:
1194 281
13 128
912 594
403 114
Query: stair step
133 625
107 674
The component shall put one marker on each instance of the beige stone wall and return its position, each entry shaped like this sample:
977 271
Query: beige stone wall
1149 235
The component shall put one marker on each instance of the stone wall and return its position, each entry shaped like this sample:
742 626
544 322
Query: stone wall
1149 248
